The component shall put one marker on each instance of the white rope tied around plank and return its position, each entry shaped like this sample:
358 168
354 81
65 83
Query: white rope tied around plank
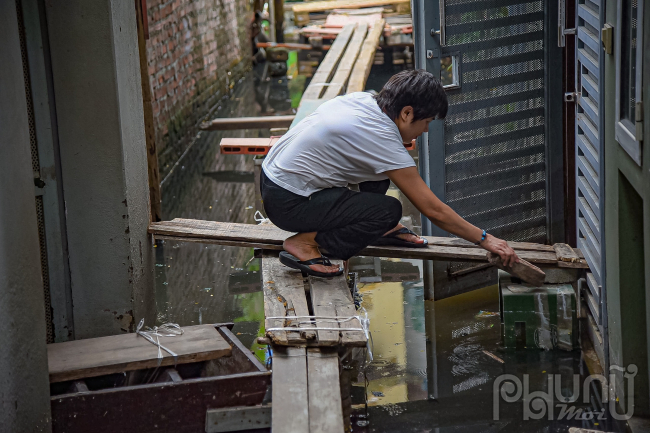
164 330
363 321
260 218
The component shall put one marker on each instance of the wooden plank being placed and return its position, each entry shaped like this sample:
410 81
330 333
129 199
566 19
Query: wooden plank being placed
325 409
271 238
118 353
320 6
327 67
364 61
525 271
344 68
229 124
331 297
290 410
284 296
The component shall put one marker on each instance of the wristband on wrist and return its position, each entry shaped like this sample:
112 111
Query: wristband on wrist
482 238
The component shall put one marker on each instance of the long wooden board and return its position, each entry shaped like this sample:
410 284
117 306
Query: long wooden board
325 409
327 67
344 68
92 357
364 61
319 6
233 123
284 296
290 409
271 238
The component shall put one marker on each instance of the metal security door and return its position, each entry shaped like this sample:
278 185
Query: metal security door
590 164
497 158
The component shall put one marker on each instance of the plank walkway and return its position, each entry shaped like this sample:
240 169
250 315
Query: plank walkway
306 386
269 237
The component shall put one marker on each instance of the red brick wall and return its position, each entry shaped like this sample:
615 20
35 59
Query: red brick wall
197 50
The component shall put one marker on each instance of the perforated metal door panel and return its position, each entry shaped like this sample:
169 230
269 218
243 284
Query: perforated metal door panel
495 162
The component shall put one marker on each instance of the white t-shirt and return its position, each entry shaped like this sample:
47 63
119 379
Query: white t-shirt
347 140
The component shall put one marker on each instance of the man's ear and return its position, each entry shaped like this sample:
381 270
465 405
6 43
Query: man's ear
406 114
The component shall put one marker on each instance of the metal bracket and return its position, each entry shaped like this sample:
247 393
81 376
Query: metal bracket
571 96
607 38
638 120
562 31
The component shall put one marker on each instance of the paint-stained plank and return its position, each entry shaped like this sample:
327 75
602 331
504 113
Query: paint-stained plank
284 296
347 62
290 410
565 253
118 353
363 64
325 410
327 67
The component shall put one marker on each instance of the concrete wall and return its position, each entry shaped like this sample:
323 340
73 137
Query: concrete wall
97 87
627 236
197 50
24 382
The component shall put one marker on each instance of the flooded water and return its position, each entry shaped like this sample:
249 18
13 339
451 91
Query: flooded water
435 362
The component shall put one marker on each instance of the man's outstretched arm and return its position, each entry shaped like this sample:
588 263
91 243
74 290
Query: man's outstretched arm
408 180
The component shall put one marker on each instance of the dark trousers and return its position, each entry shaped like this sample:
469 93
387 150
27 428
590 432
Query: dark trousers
345 221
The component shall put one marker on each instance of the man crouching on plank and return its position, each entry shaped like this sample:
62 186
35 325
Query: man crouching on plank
359 139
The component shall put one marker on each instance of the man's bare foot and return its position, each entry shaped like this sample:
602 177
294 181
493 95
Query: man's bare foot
406 237
303 246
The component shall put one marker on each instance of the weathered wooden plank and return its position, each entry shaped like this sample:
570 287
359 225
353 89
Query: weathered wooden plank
271 237
319 6
364 61
523 270
325 410
290 412
331 297
327 66
237 419
118 353
347 62
233 123
284 296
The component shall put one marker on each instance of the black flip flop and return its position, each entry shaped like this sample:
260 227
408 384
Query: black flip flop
392 240
303 265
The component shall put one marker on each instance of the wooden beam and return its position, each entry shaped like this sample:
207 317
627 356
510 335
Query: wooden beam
364 62
290 410
525 271
326 69
230 124
271 237
149 128
247 146
320 6
344 68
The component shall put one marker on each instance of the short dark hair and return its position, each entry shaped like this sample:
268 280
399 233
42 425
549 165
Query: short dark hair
417 88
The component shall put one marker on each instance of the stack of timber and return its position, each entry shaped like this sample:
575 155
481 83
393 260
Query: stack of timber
117 383
301 11
345 67
269 237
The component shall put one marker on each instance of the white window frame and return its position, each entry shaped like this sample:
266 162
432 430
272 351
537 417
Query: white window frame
629 138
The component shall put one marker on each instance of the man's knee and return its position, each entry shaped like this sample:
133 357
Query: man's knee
393 208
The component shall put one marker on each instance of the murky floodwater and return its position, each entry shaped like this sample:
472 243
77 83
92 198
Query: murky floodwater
435 363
